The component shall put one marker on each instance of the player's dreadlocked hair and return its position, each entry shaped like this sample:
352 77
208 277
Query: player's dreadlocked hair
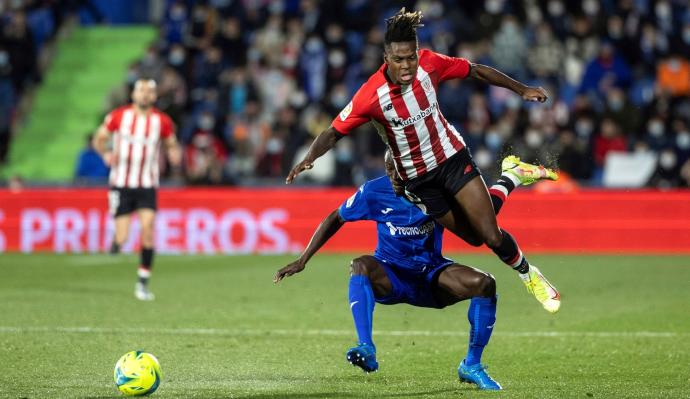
402 27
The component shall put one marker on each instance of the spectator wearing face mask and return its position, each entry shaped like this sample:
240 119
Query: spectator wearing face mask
605 71
619 109
204 159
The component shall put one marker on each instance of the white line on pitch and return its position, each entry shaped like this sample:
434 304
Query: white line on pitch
327 332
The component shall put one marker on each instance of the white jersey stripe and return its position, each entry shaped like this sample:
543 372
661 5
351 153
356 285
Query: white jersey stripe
421 129
123 149
399 132
147 176
138 140
447 146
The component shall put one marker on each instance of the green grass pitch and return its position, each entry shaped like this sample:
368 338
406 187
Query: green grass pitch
221 329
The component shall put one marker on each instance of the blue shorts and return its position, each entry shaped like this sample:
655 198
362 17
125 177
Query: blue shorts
413 287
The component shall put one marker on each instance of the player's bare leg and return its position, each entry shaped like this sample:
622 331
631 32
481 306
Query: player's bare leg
122 223
475 203
459 282
368 279
147 218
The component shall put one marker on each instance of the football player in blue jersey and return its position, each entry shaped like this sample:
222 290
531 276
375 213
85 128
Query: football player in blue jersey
407 267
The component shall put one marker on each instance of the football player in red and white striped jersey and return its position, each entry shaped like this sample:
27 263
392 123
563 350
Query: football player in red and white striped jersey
401 100
136 132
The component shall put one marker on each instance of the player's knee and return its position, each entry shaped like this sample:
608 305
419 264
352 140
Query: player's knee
474 241
486 285
359 266
493 238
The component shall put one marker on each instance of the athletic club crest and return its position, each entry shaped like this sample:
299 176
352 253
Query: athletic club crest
426 84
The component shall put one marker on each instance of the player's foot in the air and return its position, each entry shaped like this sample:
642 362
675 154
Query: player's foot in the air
142 293
364 357
476 374
540 287
525 172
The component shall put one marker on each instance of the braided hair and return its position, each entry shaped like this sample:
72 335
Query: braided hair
402 27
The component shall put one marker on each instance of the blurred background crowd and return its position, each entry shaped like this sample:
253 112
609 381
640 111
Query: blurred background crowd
250 83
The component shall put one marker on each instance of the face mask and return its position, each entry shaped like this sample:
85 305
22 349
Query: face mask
149 59
274 146
199 15
467 54
483 158
176 58
555 8
339 99
683 140
533 139
583 127
656 129
313 44
206 122
435 10
132 76
615 31
514 102
493 6
493 140
662 10
616 104
336 58
590 7
667 160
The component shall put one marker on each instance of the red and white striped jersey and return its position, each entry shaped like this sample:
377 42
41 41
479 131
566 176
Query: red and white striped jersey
408 117
136 146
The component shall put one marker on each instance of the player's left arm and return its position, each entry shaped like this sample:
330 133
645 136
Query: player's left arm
495 77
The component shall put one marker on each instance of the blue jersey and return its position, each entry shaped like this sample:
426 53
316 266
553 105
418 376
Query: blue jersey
406 236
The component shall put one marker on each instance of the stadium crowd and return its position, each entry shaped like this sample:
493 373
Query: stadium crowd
251 82
26 26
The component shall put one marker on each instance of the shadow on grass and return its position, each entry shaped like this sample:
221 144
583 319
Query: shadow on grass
297 395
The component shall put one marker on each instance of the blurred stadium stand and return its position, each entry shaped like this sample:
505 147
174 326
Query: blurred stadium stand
250 83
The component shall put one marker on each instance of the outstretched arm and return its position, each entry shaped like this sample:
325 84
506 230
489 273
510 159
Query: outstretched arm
324 142
494 77
328 227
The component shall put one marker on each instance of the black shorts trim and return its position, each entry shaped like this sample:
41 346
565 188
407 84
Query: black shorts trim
123 201
434 192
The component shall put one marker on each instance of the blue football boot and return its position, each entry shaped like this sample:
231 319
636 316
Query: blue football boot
364 357
476 374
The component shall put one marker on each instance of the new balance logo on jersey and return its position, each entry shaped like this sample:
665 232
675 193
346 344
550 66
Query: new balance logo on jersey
398 122
388 107
386 211
424 229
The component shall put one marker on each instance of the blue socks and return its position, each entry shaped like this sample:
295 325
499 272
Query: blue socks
362 306
482 316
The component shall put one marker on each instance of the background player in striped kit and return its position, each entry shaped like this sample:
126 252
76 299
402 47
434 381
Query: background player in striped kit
429 153
136 132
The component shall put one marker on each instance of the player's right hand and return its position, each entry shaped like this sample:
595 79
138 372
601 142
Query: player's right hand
293 268
299 168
